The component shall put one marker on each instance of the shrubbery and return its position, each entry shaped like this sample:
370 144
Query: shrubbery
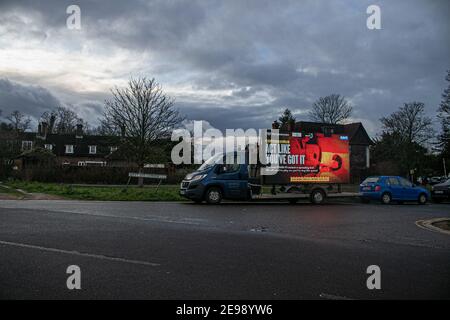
90 175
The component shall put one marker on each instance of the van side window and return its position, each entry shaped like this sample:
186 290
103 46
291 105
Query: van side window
232 167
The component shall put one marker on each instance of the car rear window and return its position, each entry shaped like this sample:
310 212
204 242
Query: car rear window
371 180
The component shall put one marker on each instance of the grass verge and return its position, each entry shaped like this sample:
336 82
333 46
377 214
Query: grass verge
103 193
10 191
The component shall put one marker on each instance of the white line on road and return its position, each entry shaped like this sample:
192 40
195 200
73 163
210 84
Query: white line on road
76 253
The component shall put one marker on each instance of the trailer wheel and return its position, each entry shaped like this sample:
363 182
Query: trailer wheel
317 196
213 195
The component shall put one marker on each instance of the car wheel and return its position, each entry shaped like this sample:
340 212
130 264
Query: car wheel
386 198
317 196
213 195
422 198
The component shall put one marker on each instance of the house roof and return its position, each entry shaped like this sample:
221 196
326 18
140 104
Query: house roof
356 132
81 144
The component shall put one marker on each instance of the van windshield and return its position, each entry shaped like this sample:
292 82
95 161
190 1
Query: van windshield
371 180
215 159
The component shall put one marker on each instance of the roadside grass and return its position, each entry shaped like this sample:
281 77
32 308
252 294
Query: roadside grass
10 191
101 193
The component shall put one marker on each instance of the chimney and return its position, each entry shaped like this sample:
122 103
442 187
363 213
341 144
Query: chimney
51 125
79 131
42 130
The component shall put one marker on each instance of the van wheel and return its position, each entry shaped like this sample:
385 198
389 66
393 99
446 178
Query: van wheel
386 198
213 195
317 196
422 198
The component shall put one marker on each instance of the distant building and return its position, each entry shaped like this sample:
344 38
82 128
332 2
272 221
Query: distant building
77 149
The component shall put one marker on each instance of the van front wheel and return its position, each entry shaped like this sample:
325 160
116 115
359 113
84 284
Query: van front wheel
213 195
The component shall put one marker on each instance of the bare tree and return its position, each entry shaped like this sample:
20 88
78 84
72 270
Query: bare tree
409 123
62 120
143 114
444 116
331 109
19 121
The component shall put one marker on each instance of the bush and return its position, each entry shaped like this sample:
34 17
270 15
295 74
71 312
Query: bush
92 175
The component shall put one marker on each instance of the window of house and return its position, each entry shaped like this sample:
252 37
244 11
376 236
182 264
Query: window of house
92 149
48 147
69 148
27 145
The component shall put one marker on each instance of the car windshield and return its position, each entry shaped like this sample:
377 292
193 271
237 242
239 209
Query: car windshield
371 180
215 159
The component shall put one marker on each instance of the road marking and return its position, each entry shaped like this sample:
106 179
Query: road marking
81 254
333 297
428 225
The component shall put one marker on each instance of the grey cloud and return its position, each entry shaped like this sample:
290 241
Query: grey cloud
295 51
29 99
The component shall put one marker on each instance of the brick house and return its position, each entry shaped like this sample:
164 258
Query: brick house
77 149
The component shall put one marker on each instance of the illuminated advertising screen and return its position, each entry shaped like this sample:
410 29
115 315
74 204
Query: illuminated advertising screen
308 158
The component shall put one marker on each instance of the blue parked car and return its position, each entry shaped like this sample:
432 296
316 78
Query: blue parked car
392 188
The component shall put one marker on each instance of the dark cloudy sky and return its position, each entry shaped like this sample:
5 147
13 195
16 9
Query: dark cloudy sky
233 63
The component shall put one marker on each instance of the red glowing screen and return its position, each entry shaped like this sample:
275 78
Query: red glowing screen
312 158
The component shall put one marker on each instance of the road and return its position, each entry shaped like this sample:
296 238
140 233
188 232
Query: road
156 250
